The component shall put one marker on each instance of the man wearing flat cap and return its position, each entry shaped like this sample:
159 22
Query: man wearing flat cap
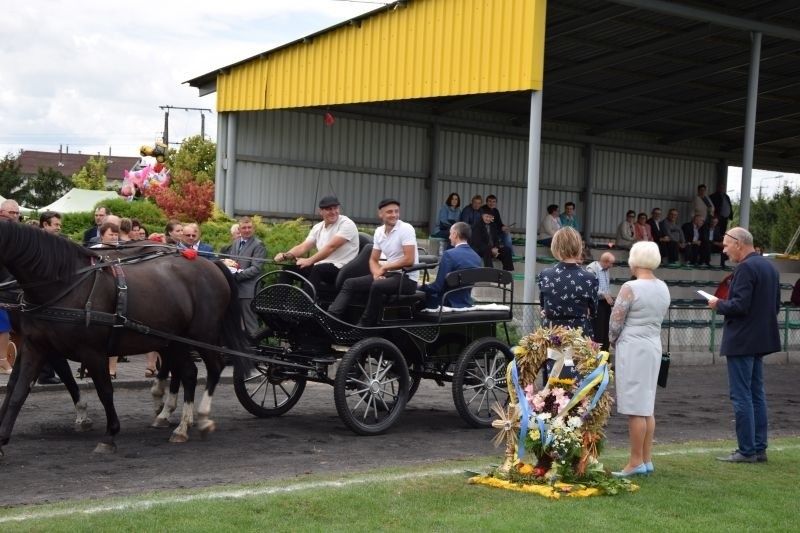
336 241
397 241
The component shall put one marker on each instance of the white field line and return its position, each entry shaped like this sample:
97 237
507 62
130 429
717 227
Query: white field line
295 487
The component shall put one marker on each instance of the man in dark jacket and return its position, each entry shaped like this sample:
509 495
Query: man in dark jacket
750 331
487 241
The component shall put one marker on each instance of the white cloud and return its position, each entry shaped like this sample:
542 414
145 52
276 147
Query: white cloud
93 74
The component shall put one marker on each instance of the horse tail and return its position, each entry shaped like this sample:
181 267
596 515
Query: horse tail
233 334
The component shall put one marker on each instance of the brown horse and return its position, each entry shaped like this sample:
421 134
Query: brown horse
81 307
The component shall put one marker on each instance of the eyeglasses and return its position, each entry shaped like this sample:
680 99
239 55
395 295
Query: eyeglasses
731 236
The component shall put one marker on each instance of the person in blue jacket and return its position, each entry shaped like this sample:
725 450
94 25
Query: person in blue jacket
750 331
459 257
449 214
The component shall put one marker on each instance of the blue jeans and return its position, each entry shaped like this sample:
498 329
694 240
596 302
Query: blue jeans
746 381
507 241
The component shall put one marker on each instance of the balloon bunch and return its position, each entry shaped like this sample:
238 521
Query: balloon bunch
150 172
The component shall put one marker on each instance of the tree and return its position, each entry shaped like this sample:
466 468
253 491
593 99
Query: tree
773 221
92 175
12 184
185 199
196 156
46 187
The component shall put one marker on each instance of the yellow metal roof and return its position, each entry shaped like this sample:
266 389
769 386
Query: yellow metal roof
413 49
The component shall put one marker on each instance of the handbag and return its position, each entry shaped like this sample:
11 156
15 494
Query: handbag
663 371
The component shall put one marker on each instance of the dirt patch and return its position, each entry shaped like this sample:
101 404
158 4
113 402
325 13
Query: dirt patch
50 462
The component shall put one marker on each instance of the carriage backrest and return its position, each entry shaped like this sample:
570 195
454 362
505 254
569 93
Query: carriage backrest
355 268
499 283
363 240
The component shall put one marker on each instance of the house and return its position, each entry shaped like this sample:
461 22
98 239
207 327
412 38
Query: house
68 164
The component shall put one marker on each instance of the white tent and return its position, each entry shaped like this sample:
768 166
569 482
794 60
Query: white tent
79 200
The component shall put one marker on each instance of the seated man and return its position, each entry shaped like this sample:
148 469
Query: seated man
698 249
487 243
715 236
398 242
459 257
336 241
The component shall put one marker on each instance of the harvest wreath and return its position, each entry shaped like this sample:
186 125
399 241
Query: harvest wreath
560 426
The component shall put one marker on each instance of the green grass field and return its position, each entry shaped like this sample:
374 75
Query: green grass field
690 491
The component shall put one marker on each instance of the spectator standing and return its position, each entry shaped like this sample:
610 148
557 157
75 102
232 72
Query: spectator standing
459 257
191 239
250 254
49 221
626 234
635 332
723 208
750 331
472 213
92 235
9 212
551 223
602 269
568 218
502 230
702 204
228 249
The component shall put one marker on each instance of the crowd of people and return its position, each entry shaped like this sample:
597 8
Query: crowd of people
692 242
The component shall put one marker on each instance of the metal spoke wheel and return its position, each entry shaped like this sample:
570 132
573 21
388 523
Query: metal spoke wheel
264 391
480 381
371 386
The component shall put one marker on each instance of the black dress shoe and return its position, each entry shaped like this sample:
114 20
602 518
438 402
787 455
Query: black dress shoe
761 457
737 457
49 380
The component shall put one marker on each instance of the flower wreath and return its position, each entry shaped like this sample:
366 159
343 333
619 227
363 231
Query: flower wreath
560 425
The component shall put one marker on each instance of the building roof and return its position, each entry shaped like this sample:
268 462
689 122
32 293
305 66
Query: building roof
676 71
68 164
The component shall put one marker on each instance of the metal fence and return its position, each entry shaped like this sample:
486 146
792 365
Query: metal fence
686 328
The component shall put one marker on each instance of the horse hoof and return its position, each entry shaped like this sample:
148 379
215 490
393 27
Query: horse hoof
178 439
83 425
206 428
160 423
103 447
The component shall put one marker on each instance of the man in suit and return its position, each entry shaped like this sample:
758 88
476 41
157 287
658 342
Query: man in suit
487 242
698 248
91 235
191 239
750 331
472 213
459 257
723 208
336 241
250 254
657 230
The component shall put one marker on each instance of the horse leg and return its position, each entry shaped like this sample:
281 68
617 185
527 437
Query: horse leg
214 364
159 388
189 382
98 370
26 370
168 366
62 369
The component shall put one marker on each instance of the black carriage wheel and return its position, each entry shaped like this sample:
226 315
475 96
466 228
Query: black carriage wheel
371 386
480 381
263 391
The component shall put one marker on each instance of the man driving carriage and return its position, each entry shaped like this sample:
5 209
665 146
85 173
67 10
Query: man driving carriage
398 243
336 241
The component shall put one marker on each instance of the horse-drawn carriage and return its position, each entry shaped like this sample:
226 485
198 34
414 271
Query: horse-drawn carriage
375 371
83 305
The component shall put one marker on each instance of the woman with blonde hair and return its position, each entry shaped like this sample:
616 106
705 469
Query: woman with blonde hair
568 292
635 332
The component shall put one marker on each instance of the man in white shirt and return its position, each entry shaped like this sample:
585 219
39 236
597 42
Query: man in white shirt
336 241
601 269
397 241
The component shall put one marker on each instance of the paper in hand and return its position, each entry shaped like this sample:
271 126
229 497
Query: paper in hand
706 295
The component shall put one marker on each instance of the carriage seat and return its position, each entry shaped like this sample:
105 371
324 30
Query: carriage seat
500 285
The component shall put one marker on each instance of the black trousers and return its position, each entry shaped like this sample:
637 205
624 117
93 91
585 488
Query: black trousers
376 289
317 274
503 254
600 323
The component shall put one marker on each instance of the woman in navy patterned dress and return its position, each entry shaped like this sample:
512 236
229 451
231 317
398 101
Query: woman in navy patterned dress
568 292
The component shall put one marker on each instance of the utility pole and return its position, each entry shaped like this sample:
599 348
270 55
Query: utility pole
166 109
